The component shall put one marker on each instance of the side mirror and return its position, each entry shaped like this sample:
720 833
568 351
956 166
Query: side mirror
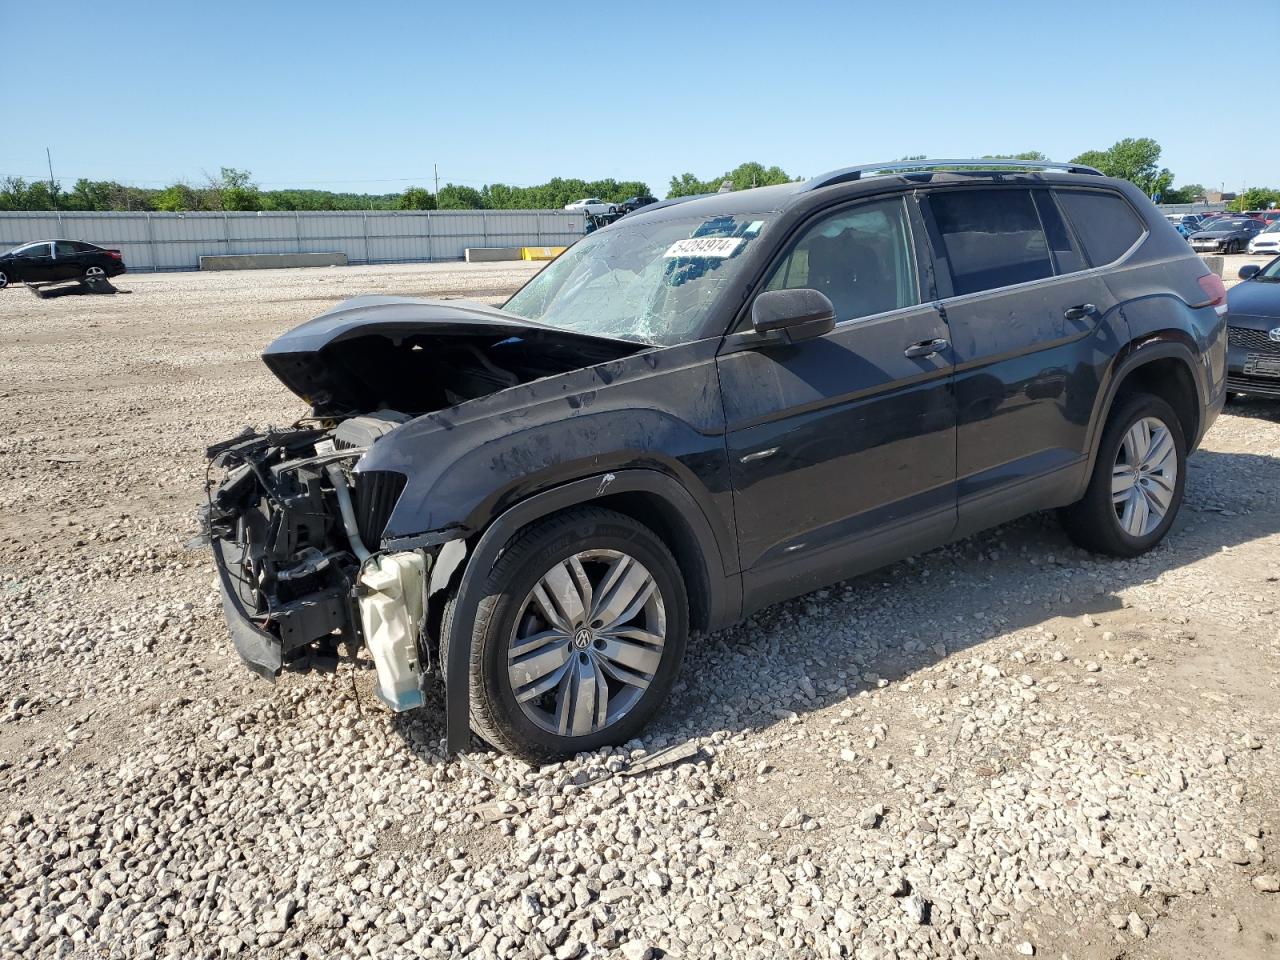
1248 271
796 314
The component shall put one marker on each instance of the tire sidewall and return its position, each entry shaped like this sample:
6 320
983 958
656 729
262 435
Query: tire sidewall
495 626
1135 409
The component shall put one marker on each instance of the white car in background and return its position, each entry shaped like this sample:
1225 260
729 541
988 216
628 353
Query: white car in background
593 206
1268 241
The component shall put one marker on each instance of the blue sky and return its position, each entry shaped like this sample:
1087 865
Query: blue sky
349 96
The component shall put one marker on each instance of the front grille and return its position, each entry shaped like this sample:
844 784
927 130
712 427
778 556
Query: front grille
1250 339
1258 386
376 493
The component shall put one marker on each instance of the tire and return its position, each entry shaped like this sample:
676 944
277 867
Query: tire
95 273
4 279
1100 521
596 543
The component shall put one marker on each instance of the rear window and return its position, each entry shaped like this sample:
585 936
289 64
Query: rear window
1104 222
993 238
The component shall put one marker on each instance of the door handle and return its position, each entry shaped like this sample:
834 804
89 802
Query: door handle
925 348
1080 312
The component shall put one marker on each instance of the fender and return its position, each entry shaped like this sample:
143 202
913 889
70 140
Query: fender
724 602
1170 343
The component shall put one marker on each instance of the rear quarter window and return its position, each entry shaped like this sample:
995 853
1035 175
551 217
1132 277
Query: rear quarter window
1105 223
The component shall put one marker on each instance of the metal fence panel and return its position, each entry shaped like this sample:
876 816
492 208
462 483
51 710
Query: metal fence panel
176 241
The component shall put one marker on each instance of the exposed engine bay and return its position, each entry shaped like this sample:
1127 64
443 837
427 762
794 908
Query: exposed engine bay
297 530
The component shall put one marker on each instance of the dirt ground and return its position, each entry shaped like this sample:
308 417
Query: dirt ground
1055 754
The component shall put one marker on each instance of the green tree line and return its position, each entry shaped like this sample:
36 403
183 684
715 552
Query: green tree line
1133 159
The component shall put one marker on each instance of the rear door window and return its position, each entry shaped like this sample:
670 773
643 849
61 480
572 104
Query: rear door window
65 248
992 238
1105 223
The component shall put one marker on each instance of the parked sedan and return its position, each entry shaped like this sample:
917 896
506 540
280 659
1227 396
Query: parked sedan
1226 235
1268 241
635 203
47 261
593 207
1253 331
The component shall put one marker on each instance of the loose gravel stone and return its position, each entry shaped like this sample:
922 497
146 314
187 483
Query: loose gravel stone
946 758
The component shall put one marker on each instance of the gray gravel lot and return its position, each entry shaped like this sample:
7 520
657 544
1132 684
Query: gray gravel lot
1005 747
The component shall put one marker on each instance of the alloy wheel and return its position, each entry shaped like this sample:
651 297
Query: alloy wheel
4 280
587 642
1144 477
93 273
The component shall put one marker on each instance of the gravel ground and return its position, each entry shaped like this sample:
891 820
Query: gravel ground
1005 747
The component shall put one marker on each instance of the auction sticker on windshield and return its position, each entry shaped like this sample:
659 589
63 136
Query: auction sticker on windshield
704 247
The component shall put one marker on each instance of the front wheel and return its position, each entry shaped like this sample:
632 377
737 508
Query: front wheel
579 637
1136 488
4 279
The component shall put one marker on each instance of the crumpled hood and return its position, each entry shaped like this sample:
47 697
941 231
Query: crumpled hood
357 357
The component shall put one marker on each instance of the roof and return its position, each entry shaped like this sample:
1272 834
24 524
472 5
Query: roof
863 178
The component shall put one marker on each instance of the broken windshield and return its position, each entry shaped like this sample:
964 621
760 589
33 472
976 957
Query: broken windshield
651 281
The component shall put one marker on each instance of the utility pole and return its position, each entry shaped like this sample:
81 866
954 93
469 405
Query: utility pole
435 173
53 190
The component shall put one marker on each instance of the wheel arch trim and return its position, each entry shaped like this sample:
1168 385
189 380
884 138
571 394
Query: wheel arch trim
1156 347
725 592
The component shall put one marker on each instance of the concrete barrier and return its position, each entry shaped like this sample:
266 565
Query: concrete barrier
491 254
541 253
268 261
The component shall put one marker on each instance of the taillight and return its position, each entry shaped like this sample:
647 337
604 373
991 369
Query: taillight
1216 291
115 255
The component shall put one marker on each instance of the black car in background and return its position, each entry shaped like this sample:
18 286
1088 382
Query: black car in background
635 203
705 408
47 261
1226 235
1253 331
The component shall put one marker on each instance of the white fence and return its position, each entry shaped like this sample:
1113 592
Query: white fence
176 241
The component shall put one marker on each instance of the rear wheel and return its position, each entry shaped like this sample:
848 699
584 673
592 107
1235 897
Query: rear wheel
95 273
579 637
1136 488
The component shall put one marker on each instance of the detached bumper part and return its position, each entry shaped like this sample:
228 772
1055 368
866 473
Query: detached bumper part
261 652
391 606
300 622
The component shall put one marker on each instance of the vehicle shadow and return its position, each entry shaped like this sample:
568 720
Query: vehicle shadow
1256 408
881 628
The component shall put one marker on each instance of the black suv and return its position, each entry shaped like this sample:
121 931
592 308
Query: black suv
705 408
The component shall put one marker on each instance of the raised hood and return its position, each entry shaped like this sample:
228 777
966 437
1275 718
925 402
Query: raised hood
403 353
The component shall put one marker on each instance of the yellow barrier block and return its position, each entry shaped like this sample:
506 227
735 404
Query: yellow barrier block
540 253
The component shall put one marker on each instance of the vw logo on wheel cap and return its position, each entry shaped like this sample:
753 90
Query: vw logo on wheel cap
582 638
1274 334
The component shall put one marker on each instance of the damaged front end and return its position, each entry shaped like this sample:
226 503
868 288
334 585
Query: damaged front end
298 516
290 525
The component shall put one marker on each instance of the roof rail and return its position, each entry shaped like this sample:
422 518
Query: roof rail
849 174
